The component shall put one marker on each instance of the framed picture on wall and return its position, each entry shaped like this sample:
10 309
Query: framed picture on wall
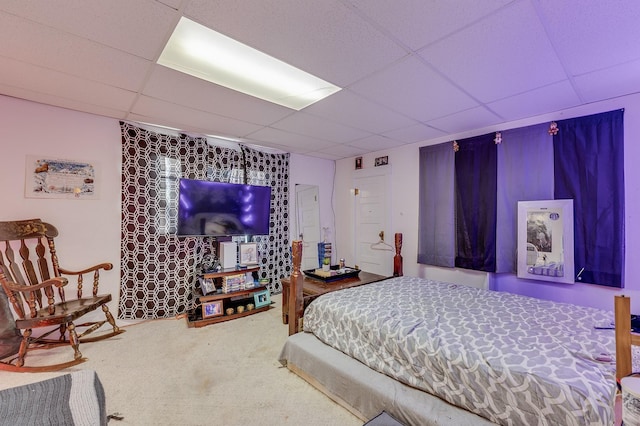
358 163
48 177
545 240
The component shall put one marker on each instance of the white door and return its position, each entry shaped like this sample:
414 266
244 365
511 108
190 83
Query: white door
308 224
372 216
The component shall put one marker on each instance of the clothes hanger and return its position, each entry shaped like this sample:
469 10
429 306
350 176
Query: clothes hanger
381 245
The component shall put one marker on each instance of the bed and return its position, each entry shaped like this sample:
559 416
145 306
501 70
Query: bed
430 352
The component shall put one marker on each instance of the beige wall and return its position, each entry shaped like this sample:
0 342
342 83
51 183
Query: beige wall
89 229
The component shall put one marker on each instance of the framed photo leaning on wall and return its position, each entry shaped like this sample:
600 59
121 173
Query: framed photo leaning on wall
248 254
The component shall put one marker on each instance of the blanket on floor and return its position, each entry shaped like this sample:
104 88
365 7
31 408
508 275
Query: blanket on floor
72 399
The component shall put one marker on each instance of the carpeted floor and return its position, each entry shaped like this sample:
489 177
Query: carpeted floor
161 372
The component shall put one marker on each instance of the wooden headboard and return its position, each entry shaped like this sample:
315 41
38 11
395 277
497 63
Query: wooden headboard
625 338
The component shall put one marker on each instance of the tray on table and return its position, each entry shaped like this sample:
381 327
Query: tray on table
336 273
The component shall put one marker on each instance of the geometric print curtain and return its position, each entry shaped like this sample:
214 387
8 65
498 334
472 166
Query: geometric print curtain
159 270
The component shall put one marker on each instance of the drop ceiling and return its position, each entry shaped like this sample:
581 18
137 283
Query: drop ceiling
411 70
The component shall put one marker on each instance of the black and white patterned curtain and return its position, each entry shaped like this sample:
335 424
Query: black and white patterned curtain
159 269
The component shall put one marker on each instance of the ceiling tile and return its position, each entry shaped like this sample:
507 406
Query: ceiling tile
320 128
57 101
176 87
610 82
417 23
341 151
189 118
137 27
415 133
50 48
376 143
546 99
289 140
492 62
412 88
348 108
64 86
325 38
474 118
595 34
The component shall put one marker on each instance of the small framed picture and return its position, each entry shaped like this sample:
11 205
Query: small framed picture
382 161
262 298
358 163
248 254
212 309
207 286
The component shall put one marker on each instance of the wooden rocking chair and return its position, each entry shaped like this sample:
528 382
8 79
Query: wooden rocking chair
39 301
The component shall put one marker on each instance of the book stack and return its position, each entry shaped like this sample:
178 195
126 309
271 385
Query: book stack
324 251
233 283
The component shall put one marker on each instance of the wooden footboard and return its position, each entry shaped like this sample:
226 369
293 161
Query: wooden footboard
625 338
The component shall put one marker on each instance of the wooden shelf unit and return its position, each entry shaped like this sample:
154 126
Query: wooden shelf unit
232 299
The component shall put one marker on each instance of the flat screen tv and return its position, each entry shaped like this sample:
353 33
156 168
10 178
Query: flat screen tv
222 209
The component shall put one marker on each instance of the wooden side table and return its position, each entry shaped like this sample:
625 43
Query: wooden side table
312 288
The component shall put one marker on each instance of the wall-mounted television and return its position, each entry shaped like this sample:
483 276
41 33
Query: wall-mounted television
222 209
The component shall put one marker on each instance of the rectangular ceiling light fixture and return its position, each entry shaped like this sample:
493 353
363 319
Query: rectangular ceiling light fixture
201 52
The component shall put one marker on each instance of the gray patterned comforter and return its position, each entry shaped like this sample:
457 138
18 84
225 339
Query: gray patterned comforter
513 359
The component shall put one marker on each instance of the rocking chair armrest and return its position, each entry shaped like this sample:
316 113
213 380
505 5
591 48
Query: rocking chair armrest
57 281
105 266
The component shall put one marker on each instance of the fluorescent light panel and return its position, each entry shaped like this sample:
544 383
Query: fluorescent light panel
201 52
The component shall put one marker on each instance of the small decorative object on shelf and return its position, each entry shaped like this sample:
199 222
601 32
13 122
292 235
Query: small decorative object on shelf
324 252
230 311
262 298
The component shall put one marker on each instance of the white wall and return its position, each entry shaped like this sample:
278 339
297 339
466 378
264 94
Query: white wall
404 162
89 229
313 171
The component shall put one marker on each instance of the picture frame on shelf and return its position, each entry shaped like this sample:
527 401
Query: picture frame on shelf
262 298
248 254
206 285
212 309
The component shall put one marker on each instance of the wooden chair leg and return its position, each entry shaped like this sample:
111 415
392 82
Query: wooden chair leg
63 332
24 345
110 318
73 340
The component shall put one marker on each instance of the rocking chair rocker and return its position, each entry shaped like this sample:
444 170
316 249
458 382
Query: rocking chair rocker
36 304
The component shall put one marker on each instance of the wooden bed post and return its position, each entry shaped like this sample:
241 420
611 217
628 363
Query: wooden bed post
397 259
622 309
295 289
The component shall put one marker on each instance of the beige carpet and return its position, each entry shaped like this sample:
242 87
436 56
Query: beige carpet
161 372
